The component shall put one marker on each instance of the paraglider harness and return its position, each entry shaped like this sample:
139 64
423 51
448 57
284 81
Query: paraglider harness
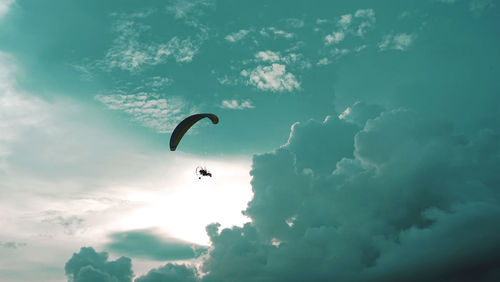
201 171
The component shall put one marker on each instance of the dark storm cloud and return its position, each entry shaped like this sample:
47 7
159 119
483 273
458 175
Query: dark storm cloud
415 202
171 273
90 266
144 243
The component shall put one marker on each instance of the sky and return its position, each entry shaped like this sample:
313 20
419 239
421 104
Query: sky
358 140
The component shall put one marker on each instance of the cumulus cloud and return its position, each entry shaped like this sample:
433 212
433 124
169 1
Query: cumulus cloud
150 110
237 105
147 244
91 266
360 112
400 41
172 273
373 202
272 78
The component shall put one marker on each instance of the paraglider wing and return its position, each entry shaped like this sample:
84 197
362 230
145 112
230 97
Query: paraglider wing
184 126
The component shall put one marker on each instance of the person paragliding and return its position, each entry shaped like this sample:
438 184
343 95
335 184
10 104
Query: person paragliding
183 127
201 171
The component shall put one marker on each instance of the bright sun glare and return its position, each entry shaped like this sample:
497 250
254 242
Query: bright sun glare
184 211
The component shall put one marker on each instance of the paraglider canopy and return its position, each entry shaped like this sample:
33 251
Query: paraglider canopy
184 126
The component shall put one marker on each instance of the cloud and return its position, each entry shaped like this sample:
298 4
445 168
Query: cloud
147 244
334 38
19 112
477 7
90 266
272 78
11 245
172 273
4 6
237 105
276 33
360 112
268 56
294 22
70 223
131 54
401 41
367 17
150 110
236 36
323 62
368 203
345 21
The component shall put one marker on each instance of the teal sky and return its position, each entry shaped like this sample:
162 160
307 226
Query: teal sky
323 106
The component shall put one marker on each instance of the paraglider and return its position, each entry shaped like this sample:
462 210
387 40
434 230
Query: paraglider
182 128
201 171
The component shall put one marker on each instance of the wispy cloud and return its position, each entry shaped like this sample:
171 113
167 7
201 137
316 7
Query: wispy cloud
477 7
71 224
11 245
294 22
446 1
400 41
149 110
272 78
236 36
273 31
4 6
130 53
237 105
367 17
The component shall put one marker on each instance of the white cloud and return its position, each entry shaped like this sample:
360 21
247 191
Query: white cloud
345 21
321 21
399 41
4 6
276 32
129 53
272 78
368 19
360 48
268 56
334 38
237 105
237 36
149 110
323 62
19 113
